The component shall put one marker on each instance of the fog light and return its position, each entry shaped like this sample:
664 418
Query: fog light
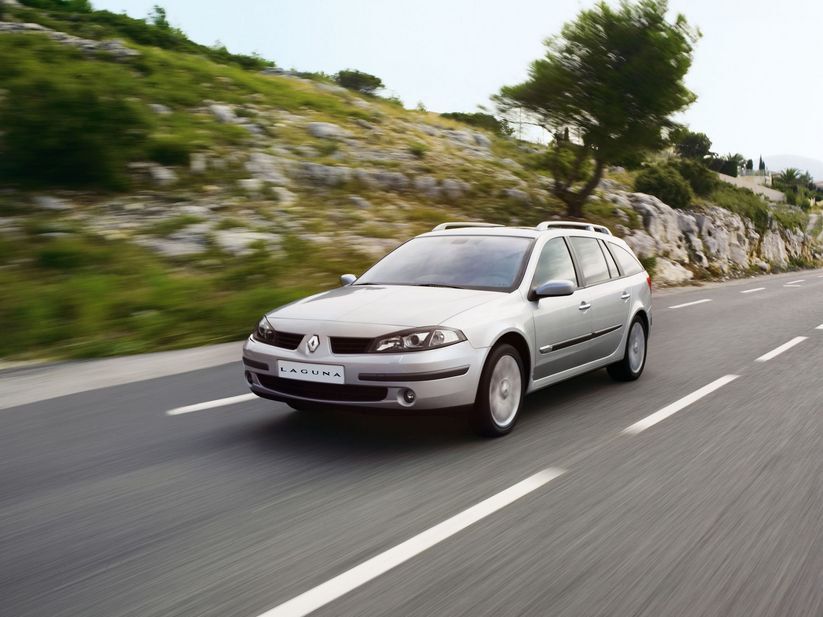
409 396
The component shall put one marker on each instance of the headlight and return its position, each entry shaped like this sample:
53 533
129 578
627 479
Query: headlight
264 332
418 339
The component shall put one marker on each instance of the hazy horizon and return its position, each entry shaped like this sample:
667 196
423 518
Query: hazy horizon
757 95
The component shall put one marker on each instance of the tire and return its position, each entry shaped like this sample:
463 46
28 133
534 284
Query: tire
634 358
500 392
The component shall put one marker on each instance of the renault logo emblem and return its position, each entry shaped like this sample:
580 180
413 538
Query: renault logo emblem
314 343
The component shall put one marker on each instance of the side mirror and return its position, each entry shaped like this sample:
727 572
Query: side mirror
347 279
551 289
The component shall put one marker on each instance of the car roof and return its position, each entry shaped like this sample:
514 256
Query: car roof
524 232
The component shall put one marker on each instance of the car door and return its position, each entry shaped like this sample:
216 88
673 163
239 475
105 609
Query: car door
562 324
609 295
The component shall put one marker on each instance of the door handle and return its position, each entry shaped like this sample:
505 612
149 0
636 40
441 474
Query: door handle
625 296
584 306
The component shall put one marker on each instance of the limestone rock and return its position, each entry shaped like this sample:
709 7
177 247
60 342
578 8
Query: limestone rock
160 110
327 130
360 202
224 113
428 185
162 176
266 168
517 195
54 204
198 163
454 189
251 185
238 241
670 273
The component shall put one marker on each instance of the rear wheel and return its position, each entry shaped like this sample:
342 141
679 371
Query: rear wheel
634 359
500 393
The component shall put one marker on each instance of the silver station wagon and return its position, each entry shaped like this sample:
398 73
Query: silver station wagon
469 315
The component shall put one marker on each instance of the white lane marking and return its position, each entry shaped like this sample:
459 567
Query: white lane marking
343 583
669 410
748 291
787 285
779 350
795 282
676 306
820 327
221 402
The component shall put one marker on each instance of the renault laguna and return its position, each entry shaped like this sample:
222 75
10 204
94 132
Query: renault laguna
469 315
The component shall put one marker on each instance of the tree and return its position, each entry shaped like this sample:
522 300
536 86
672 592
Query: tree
359 81
665 183
750 164
788 177
728 165
761 166
158 18
613 77
691 145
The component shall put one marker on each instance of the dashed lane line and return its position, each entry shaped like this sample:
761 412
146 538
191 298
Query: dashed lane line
677 306
221 402
779 350
341 584
670 410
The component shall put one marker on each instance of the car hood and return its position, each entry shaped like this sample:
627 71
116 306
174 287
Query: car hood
398 305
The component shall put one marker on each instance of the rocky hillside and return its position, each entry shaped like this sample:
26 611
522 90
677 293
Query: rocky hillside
242 188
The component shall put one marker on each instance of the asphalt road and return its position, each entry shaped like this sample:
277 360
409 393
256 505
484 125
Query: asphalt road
111 507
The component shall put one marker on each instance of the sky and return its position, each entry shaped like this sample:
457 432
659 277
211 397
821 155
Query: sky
757 70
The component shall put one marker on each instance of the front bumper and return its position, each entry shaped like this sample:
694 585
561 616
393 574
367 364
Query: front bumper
440 378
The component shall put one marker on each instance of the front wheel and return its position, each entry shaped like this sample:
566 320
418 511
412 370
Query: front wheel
634 359
500 393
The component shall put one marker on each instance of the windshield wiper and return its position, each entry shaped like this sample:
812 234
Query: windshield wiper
439 285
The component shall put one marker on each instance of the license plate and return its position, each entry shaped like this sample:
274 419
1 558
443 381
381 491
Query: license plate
322 373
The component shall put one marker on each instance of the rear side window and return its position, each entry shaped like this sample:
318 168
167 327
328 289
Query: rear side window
628 262
615 273
590 259
555 263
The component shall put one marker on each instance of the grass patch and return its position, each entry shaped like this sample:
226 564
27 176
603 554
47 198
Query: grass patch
84 297
791 218
167 227
743 202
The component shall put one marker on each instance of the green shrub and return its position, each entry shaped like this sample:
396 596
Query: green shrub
418 150
666 184
66 122
74 6
359 81
649 263
790 218
482 120
167 150
743 202
71 253
168 226
702 180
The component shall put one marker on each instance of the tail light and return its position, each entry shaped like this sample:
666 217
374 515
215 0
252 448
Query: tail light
649 282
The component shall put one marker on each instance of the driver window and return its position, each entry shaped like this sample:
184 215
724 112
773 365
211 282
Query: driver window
555 263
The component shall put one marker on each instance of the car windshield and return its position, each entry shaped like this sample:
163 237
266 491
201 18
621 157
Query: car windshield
472 262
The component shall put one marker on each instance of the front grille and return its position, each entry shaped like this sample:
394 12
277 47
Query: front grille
287 340
348 345
323 391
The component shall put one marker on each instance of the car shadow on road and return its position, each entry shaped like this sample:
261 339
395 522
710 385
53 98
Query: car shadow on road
349 435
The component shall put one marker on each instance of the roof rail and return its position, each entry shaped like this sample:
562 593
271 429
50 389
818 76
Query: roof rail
573 225
456 225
